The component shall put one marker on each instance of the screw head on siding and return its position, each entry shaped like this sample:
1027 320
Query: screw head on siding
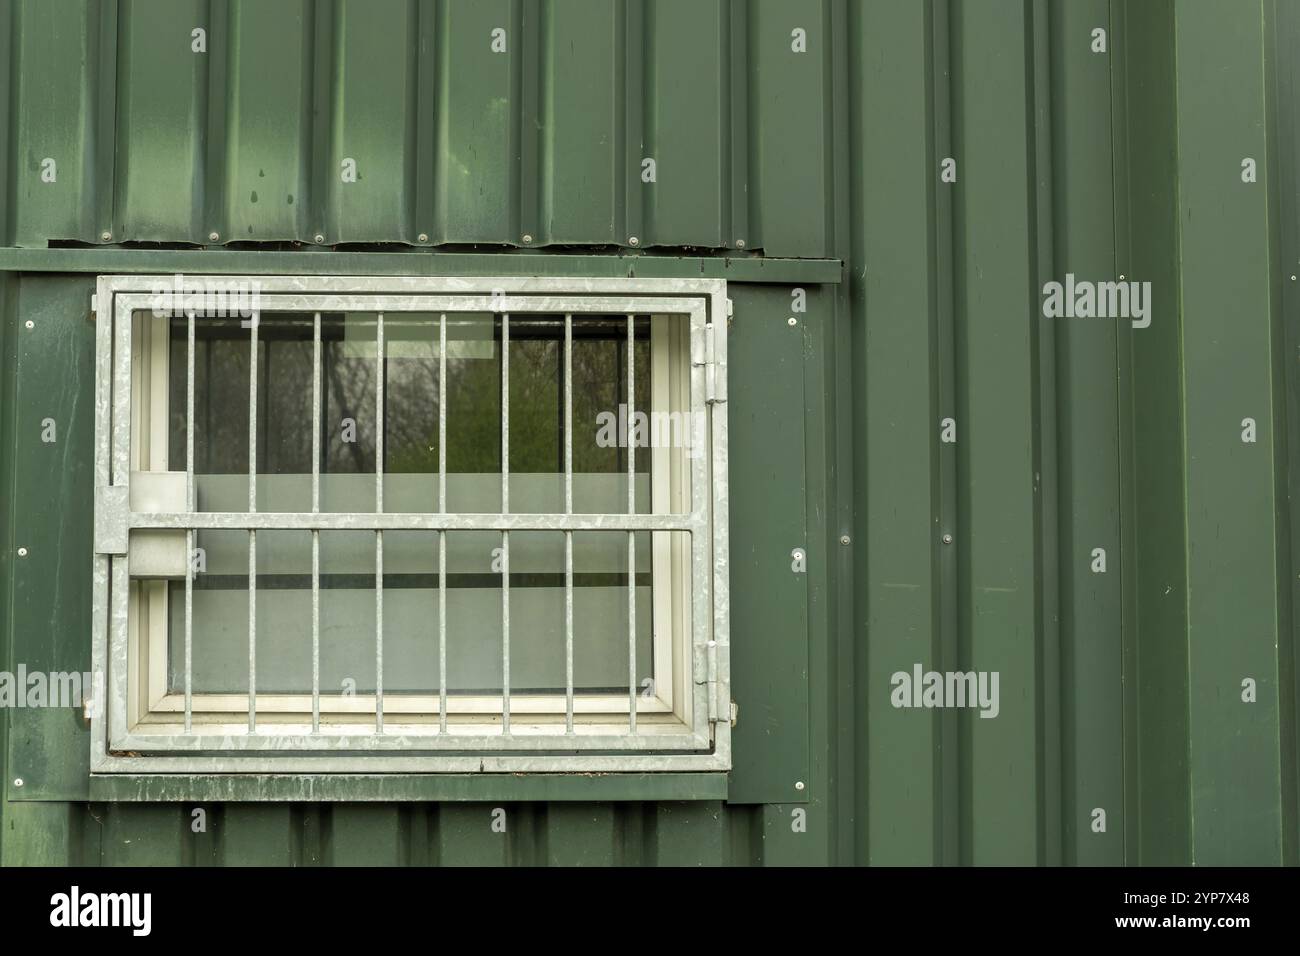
845 539
792 321
798 785
740 243
422 237
106 235
527 238
214 236
634 241
1121 276
319 238
30 324
947 539
22 552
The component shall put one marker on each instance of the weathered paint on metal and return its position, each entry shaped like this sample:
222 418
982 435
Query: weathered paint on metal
1121 691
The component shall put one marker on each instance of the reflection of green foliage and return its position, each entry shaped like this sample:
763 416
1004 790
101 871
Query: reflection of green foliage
411 401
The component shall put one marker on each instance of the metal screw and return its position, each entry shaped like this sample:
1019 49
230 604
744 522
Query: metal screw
740 243
214 236
527 238
30 324
106 235
1121 275
22 552
319 238
634 241
792 321
947 539
798 785
422 237
18 781
844 539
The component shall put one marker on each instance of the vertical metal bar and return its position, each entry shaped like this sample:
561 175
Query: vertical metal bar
505 535
379 413
442 413
189 534
379 632
631 535
442 534
315 534
315 415
252 535
379 535
568 414
568 534
442 631
252 631
315 631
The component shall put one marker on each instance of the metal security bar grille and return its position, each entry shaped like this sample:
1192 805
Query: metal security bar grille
160 717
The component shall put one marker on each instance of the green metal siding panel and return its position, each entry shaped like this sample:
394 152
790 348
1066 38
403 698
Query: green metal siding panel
769 621
1227 331
452 140
1119 690
1087 420
49 611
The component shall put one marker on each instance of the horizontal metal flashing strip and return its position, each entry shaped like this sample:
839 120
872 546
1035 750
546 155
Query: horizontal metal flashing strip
409 521
260 765
420 263
376 788
544 738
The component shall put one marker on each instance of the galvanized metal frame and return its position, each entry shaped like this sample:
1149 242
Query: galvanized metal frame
702 744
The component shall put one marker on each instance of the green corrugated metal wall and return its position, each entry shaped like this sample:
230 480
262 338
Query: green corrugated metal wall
1120 691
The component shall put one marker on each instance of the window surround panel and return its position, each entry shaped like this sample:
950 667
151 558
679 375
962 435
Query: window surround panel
685 747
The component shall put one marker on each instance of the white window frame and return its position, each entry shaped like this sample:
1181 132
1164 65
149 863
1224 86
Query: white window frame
134 732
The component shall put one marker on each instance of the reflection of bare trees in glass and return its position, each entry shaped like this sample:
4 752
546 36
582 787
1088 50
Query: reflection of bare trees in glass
348 381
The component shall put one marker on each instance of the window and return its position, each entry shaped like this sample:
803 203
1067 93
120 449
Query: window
411 524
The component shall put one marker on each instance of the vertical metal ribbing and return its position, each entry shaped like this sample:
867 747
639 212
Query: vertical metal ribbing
379 535
252 535
189 534
568 534
631 535
315 534
442 534
505 535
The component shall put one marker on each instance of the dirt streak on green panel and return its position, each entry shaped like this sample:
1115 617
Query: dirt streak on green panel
893 290
580 160
53 433
996 423
56 177
684 204
1231 498
477 134
1092 739
371 181
269 119
159 122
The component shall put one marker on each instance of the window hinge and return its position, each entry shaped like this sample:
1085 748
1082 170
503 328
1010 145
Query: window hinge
714 393
720 705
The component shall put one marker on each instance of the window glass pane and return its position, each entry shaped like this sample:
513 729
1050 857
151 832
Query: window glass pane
350 374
